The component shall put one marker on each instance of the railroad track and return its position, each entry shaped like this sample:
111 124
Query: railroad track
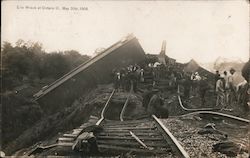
141 137
210 111
193 109
219 114
146 137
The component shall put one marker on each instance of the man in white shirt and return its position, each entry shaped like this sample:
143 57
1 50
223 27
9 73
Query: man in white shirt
220 92
195 78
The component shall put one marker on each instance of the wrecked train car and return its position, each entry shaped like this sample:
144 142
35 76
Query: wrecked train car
97 70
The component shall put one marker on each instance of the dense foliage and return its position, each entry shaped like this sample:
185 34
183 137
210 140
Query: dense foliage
27 61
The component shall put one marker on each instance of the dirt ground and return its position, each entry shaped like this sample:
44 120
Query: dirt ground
198 140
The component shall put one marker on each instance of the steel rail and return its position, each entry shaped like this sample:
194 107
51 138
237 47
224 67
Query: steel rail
174 144
124 108
126 103
219 114
209 111
195 109
170 139
105 107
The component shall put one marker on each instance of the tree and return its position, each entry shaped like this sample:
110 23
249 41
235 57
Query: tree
29 60
75 58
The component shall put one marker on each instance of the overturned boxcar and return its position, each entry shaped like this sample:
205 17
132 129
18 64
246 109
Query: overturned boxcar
97 70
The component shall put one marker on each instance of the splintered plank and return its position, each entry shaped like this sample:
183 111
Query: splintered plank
129 138
126 149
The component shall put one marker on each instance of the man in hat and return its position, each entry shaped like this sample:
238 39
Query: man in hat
220 92
195 78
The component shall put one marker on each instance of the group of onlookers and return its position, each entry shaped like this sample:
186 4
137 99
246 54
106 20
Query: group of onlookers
192 83
195 84
153 101
228 93
124 78
134 74
224 88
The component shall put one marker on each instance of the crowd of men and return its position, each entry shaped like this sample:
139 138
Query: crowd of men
228 93
174 75
193 84
225 89
134 74
196 85
150 74
128 78
124 78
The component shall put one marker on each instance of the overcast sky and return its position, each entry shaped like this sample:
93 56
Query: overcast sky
202 30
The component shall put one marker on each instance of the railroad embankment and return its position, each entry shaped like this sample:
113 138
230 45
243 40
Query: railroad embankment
66 119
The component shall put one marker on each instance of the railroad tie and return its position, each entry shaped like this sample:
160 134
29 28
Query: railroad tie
127 149
65 139
70 135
